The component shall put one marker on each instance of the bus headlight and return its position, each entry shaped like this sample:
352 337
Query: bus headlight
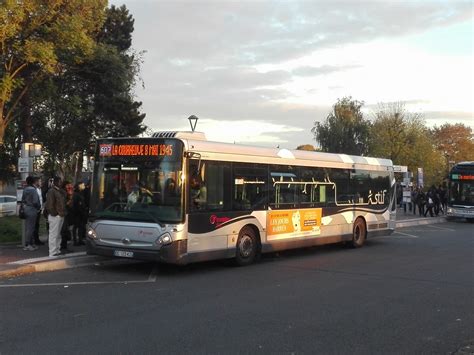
164 239
91 234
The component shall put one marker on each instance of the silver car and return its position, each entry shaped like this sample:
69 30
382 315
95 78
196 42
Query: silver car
8 205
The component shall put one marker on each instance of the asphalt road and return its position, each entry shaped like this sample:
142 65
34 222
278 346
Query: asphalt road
410 293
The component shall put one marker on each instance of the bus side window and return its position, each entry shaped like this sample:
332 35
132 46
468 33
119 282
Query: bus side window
249 189
284 187
207 190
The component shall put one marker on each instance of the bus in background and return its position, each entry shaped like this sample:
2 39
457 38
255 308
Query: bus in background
461 191
178 198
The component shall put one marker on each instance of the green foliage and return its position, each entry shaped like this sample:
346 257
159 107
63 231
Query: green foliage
36 38
10 229
88 100
9 154
455 142
117 29
402 136
345 129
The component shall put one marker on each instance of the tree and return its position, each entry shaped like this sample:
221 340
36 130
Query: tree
345 129
394 132
36 37
402 136
90 99
308 147
455 142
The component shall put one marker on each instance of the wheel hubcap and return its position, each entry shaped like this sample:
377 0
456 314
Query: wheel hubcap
245 246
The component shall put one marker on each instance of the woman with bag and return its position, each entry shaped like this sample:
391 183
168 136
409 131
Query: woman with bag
429 203
31 206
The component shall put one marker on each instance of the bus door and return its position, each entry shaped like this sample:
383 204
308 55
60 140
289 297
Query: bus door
209 201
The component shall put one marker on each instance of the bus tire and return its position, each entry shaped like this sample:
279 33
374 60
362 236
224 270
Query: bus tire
359 233
247 248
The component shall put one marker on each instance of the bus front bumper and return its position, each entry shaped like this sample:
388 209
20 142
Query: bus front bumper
174 253
460 212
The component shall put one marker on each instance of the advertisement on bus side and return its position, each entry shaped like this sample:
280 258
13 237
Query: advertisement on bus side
285 223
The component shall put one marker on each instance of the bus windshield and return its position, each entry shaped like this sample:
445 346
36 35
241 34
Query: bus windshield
462 193
461 185
138 188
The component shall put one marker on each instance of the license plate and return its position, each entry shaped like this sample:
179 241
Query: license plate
123 254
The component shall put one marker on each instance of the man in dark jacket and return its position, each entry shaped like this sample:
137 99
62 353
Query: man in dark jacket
56 207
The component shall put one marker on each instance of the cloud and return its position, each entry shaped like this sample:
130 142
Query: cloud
282 65
251 32
321 70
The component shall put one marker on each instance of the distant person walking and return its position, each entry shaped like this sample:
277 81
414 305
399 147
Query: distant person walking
430 203
56 208
32 206
421 201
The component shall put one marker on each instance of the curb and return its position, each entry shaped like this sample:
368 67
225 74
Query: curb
13 270
420 221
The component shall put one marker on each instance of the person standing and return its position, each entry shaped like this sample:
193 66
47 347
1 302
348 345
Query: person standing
38 218
79 214
32 206
421 202
56 208
66 230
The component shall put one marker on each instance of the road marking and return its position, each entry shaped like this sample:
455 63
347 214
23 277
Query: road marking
153 274
79 283
406 234
444 229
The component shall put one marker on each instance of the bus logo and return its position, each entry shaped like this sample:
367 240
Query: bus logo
218 221
105 150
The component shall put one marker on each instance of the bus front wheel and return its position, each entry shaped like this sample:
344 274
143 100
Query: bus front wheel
359 233
247 249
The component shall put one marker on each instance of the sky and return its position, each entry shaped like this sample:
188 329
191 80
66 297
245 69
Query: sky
263 72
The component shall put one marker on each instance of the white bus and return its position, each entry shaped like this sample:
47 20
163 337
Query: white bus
178 198
461 191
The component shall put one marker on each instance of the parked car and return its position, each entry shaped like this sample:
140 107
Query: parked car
8 205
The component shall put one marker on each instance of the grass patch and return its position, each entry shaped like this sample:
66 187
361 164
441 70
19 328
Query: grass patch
10 229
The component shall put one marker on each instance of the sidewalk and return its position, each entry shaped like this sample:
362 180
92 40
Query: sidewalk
14 261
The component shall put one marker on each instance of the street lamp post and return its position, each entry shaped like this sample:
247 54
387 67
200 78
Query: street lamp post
193 122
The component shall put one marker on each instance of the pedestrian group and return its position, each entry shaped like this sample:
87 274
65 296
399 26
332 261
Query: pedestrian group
65 208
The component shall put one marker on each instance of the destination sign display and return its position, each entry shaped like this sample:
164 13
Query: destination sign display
144 149
462 177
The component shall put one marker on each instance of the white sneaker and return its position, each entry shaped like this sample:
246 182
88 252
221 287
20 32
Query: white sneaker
30 248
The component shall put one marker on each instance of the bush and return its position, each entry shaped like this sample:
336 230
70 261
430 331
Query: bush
10 229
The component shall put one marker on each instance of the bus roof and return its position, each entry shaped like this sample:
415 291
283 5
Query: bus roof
248 153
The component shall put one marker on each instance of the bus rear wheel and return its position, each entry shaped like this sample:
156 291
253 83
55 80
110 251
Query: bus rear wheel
247 249
359 233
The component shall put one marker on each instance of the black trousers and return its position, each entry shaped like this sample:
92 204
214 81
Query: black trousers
65 234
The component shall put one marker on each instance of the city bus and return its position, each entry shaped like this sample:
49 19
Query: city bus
178 198
461 191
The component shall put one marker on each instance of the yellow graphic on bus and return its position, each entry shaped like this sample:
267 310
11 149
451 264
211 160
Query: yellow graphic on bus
298 222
